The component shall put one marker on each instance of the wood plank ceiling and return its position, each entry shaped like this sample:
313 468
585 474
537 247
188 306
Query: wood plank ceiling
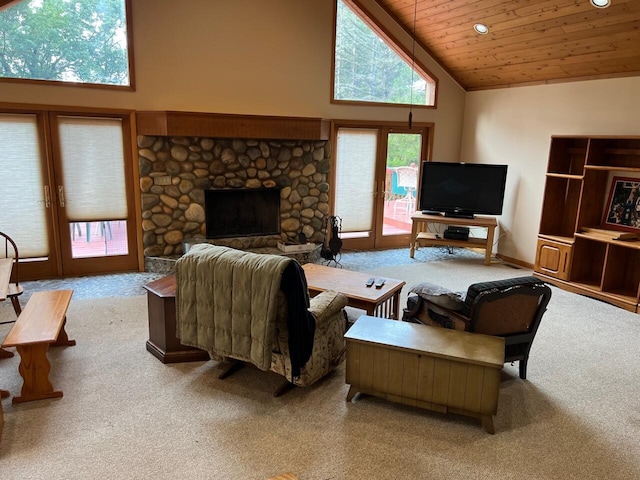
529 41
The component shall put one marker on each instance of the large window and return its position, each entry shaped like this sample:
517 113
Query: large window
369 67
78 41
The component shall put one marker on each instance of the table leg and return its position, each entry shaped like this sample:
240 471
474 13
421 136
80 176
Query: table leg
34 369
412 239
489 247
487 423
352 393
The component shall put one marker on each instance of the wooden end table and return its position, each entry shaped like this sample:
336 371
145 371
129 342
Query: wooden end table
382 302
163 343
429 367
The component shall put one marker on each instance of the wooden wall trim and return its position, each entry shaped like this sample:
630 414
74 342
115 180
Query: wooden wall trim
218 125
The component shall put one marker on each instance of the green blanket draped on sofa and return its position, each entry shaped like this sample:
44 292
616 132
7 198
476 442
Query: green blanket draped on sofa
226 301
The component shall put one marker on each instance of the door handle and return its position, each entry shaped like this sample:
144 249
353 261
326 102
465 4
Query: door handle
61 196
47 197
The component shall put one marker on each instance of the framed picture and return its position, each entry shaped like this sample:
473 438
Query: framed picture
622 211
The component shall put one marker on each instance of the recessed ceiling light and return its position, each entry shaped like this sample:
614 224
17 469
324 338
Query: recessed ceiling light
482 29
601 3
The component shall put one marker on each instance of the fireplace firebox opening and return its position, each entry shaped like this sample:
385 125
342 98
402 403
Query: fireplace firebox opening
242 212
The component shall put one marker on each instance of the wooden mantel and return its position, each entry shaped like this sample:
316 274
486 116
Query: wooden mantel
218 125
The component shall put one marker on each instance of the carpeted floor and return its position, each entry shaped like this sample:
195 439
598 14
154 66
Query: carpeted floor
126 415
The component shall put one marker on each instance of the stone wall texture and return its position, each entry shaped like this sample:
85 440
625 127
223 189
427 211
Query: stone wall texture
175 171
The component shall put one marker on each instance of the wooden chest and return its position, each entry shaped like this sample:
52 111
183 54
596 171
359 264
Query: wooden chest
433 368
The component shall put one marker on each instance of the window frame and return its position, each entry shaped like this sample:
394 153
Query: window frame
392 42
130 60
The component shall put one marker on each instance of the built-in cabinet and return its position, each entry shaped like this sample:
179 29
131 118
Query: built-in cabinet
576 250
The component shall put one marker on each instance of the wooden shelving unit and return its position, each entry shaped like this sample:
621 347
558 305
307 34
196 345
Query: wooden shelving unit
574 251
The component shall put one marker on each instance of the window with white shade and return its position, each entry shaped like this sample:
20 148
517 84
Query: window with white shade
93 168
23 200
355 178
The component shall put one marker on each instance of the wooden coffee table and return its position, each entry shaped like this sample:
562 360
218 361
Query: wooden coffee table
380 302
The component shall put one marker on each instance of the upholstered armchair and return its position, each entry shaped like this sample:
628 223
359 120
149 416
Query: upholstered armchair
509 308
248 307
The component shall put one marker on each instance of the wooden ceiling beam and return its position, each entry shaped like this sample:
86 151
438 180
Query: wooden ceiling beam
218 125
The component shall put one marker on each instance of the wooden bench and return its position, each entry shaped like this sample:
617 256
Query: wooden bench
40 324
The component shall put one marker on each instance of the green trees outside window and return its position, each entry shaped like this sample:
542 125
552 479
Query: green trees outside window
367 69
82 41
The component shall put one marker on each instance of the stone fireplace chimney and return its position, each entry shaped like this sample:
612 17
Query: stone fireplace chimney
175 171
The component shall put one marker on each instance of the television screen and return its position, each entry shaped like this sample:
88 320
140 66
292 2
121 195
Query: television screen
462 189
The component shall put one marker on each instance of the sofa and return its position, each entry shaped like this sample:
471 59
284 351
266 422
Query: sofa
255 308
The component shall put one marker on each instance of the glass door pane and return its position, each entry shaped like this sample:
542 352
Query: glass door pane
25 195
22 199
355 180
401 182
94 196
97 239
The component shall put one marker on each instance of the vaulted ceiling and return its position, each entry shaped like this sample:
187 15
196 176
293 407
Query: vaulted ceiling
529 41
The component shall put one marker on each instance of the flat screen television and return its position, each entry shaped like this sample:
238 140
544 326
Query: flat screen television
462 189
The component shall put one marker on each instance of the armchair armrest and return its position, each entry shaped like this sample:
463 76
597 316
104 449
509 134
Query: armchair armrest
429 313
326 304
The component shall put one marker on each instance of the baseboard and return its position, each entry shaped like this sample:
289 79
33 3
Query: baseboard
515 261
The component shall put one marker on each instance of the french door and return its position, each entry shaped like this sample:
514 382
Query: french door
69 205
376 178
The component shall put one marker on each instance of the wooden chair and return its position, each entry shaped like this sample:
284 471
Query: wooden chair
14 289
10 250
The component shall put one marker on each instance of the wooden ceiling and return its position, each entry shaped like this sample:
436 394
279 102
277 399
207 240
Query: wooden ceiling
529 41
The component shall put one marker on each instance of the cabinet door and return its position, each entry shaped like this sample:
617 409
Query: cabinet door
553 258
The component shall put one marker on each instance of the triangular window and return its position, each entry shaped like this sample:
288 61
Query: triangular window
369 67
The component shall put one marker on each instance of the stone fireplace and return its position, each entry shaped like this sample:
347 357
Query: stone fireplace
175 171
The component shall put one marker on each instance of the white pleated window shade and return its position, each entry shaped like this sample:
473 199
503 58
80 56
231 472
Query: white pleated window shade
93 168
23 215
355 178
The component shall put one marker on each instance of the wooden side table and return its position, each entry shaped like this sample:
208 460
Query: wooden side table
433 368
163 343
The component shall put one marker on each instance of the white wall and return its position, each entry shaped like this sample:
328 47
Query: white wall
245 57
514 126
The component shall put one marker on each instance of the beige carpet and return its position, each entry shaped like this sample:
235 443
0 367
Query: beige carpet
125 415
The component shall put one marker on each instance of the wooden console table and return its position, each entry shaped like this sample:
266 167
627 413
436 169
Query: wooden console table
163 343
420 236
434 368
